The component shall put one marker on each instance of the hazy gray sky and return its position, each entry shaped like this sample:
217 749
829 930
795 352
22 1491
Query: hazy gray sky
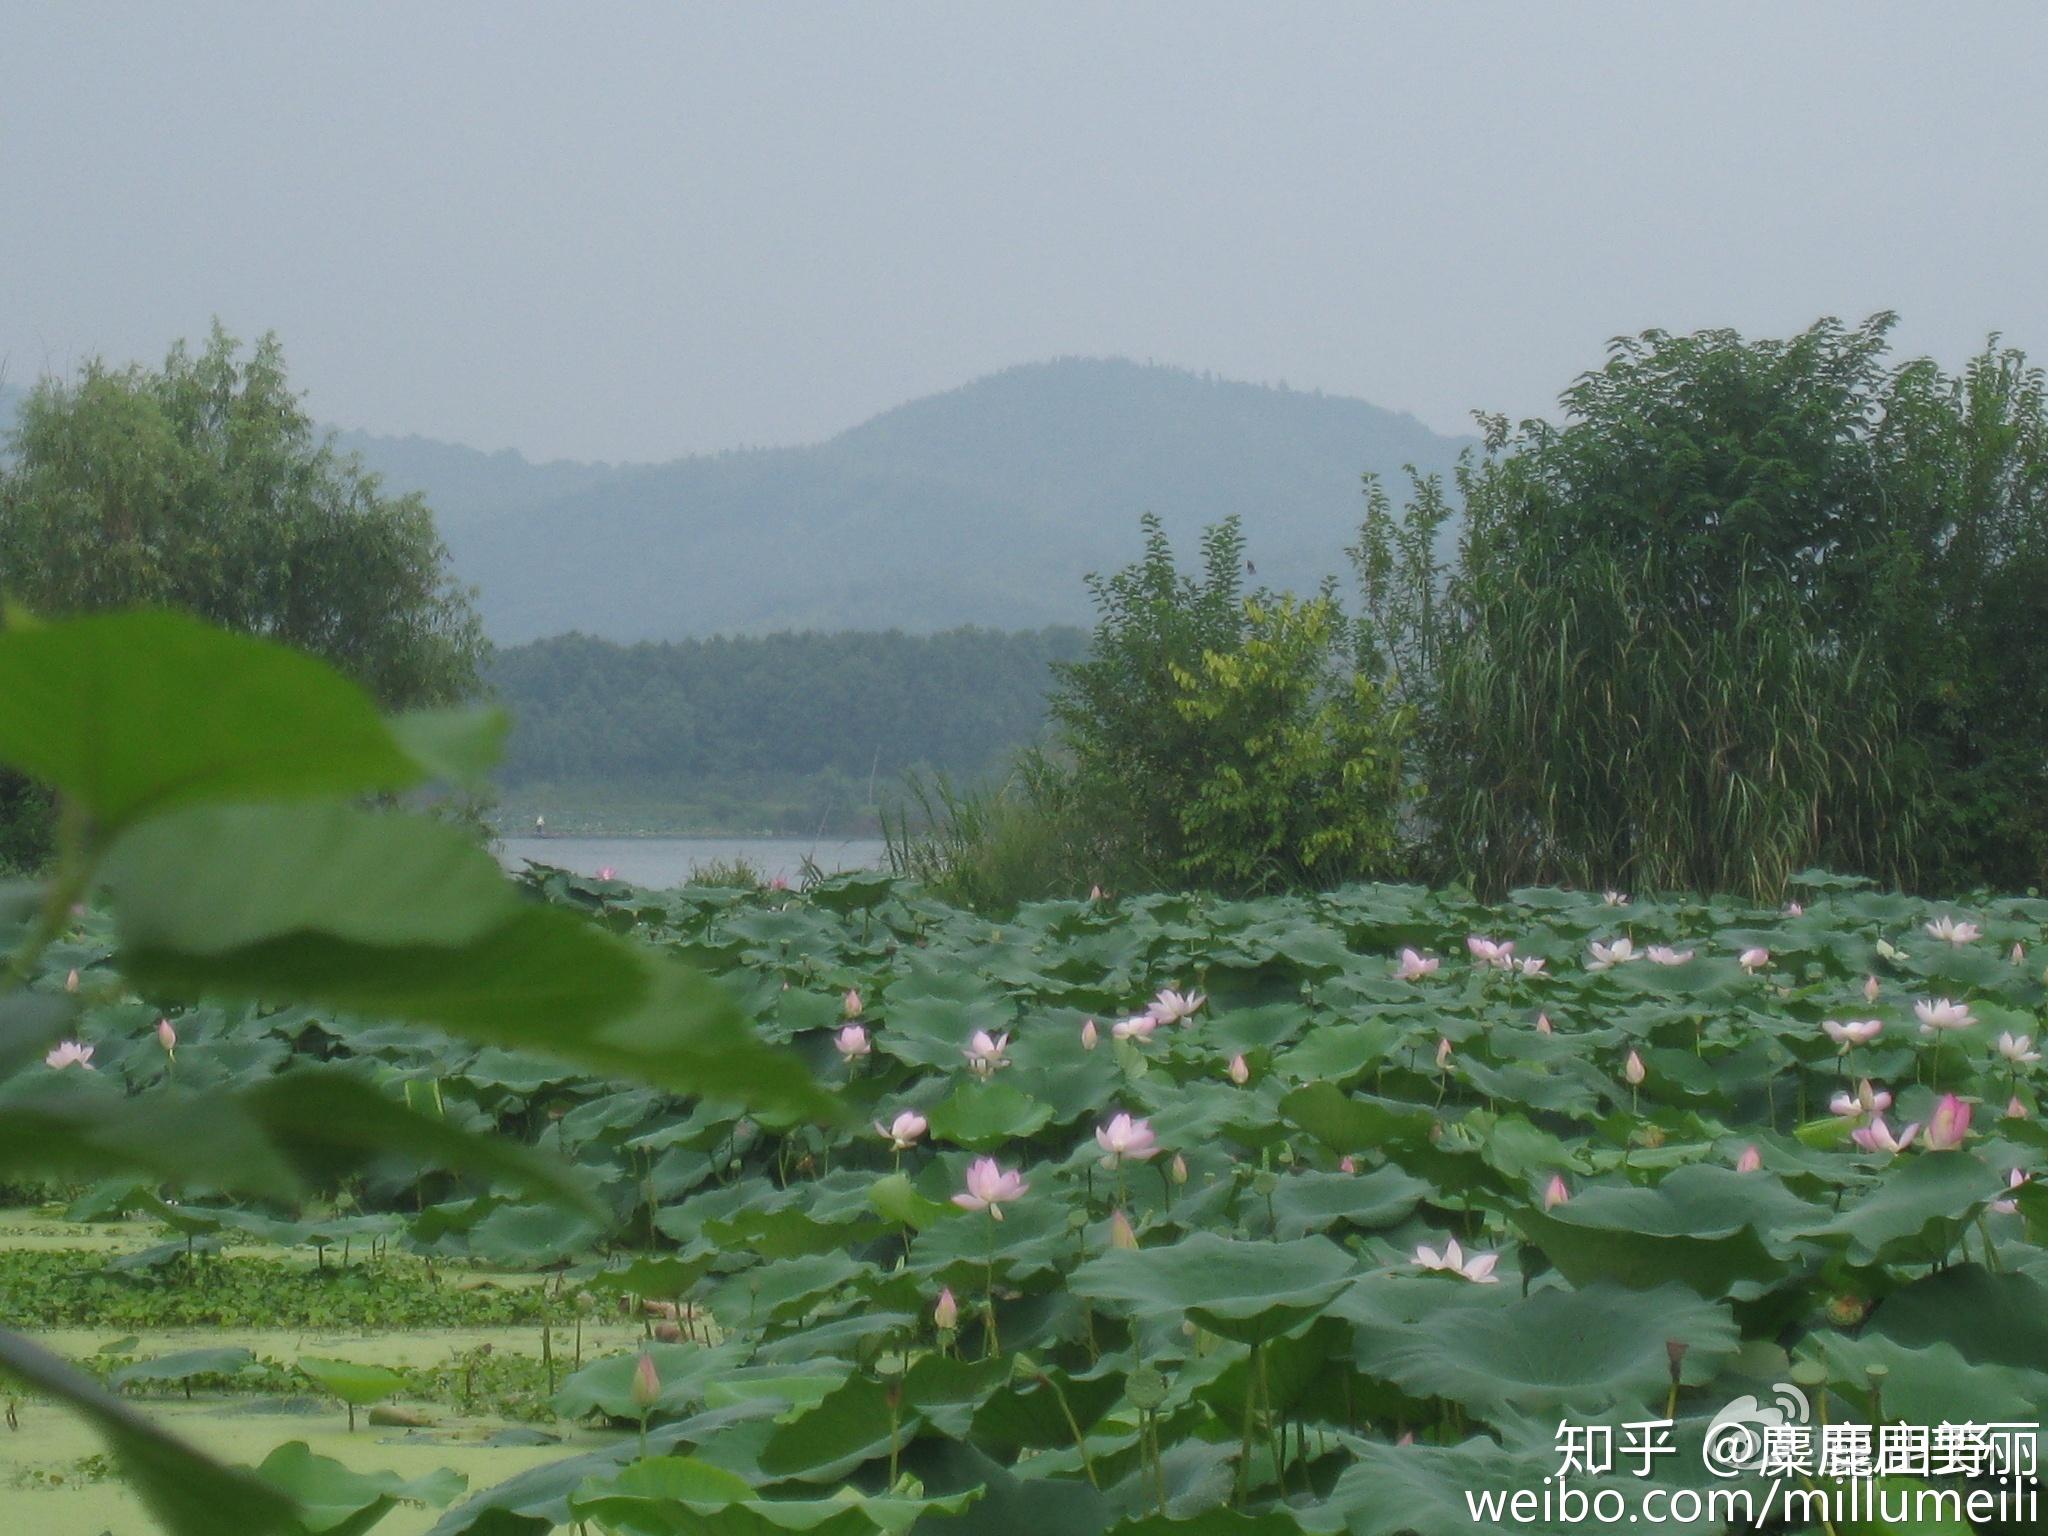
638 231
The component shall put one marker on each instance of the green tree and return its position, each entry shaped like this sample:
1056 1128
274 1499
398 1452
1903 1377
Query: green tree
1229 740
1751 606
203 485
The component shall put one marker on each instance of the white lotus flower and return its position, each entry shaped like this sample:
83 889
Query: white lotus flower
1478 1269
1607 956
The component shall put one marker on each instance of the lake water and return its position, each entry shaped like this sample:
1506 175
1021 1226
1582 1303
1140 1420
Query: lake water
659 862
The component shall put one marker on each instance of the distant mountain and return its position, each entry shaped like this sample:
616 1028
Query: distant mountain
986 505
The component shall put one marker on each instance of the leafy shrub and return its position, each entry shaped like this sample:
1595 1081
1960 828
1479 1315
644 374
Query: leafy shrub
1229 740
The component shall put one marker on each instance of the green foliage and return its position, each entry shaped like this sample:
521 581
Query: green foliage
1228 741
792 730
203 486
992 847
1751 607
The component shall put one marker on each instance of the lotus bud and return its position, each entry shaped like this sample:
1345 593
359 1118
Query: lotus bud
1754 960
1178 1169
646 1385
1794 909
1407 1437
852 1041
71 981
1443 1054
607 873
946 1315
850 1005
2015 1110
2019 954
1870 989
1095 893
1347 1164
1556 1192
1121 1233
1634 1071
167 1037
1088 1035
1949 1125
1240 1073
1543 1024
1751 1159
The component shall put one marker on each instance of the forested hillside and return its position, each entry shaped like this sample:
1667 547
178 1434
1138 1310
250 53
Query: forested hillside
777 732
987 505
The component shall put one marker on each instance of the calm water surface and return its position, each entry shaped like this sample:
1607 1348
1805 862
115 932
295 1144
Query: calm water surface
664 861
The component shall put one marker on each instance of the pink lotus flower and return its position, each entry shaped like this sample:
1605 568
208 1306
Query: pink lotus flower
1851 1032
1241 1072
1137 1028
1556 1192
1753 960
946 1315
1633 1070
1608 956
1949 1126
984 1053
1953 932
852 1042
1664 954
2015 1110
1865 1101
1121 1233
903 1132
1478 1269
1126 1139
2015 1180
1171 1007
1940 1013
1543 1024
2018 1049
1877 1137
1794 909
70 1054
1414 967
646 1389
608 873
779 883
1347 1164
1751 1160
850 1005
1613 899
1870 989
990 1187
167 1037
1489 951
1088 1035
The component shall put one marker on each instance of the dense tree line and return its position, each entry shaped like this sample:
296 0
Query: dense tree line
857 704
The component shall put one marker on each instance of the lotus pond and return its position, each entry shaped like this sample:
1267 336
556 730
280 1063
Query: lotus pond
1144 1215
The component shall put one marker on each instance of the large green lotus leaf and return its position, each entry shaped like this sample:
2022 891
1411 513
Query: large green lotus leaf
1011 1501
184 1366
663 1278
133 714
529 1236
1032 1415
851 1426
1994 1319
1315 1202
1210 1522
897 1200
1350 1124
59 1126
687 1496
1934 1384
187 1492
1722 1233
335 1501
215 879
1243 1290
1594 1349
1339 1053
683 1370
782 1290
788 1233
355 1384
1917 1212
987 1115
795 1384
